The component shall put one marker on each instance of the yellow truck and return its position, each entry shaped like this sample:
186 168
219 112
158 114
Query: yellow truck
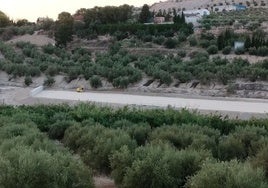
80 89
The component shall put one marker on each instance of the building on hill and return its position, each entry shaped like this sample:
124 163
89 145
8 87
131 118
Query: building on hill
193 16
211 5
240 7
159 19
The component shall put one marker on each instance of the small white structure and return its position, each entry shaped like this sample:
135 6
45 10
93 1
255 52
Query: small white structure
192 16
159 19
239 44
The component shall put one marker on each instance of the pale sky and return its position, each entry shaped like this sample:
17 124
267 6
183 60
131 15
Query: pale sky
32 9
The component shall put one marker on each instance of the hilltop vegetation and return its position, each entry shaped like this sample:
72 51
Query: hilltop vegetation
137 147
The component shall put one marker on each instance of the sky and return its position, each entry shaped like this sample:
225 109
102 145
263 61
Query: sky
32 9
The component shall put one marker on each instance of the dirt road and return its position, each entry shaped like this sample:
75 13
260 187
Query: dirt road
228 105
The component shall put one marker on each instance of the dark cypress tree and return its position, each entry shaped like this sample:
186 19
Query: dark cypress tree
145 14
248 42
182 18
221 42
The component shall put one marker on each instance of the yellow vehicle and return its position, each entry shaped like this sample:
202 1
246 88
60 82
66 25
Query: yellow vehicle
80 89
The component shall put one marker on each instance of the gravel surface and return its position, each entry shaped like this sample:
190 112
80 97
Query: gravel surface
241 106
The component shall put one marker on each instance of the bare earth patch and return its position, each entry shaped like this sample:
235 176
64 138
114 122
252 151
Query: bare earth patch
39 40
103 182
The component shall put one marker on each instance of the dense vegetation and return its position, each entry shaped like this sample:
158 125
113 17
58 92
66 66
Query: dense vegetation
121 68
137 147
251 18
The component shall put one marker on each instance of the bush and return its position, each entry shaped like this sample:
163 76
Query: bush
239 51
49 81
227 174
95 81
192 41
159 40
213 49
261 160
43 170
56 130
171 43
204 43
183 76
96 144
181 53
252 51
121 82
227 50
28 80
153 166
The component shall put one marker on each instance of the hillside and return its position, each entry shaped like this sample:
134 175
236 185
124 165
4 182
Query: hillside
201 4
137 69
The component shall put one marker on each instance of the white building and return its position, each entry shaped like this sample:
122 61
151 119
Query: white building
193 16
239 44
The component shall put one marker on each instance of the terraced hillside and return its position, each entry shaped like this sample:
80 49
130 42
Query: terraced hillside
208 4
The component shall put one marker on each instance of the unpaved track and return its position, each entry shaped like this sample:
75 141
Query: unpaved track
253 106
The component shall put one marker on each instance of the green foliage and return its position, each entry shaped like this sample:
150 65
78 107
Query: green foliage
227 50
97 144
28 80
140 147
64 29
260 160
213 49
228 174
239 51
106 15
170 43
95 81
192 41
49 81
24 149
145 15
162 167
4 20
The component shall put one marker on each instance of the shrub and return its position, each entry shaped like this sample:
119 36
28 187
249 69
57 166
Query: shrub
49 81
28 80
96 144
204 43
181 53
239 51
95 81
56 130
261 160
34 71
153 166
227 174
159 40
183 76
49 49
181 37
262 51
52 70
227 50
192 41
213 49
43 170
121 82
147 38
252 51
171 43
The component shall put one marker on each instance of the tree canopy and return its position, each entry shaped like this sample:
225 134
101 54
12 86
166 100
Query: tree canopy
145 14
64 29
4 20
